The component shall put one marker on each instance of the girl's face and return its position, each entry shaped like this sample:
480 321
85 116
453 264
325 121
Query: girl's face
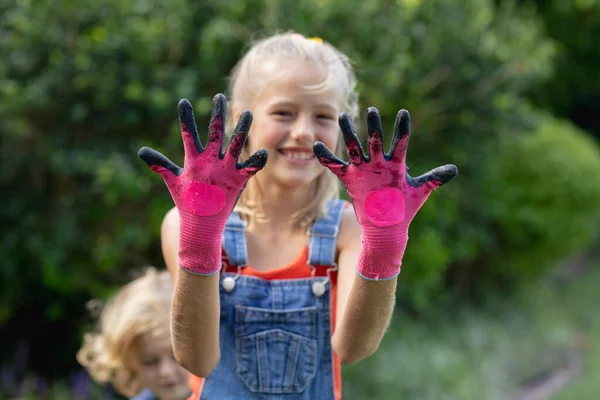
288 120
157 369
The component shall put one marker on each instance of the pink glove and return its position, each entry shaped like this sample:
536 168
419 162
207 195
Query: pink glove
385 197
206 189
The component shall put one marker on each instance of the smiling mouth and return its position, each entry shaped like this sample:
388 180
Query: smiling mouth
298 155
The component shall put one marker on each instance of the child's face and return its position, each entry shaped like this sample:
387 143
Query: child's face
157 369
288 120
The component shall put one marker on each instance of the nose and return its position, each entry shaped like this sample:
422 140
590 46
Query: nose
167 367
303 130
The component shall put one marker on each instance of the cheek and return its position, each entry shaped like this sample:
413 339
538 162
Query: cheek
330 137
146 375
263 136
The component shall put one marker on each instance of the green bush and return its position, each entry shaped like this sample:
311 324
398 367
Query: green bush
573 90
543 194
535 201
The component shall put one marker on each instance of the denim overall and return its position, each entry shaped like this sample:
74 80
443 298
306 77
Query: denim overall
146 394
275 335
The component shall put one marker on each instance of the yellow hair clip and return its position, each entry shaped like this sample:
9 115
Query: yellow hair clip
315 39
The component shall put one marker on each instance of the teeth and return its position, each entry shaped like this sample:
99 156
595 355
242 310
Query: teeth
299 155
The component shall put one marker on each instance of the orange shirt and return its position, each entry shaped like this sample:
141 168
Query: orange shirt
296 270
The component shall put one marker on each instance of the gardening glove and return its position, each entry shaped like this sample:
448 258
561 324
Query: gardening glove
206 189
385 197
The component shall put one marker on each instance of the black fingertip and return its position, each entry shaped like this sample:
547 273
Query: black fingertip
401 129
446 173
240 134
245 122
372 112
219 106
219 98
152 157
403 123
257 160
403 113
374 122
321 150
186 117
443 175
143 152
262 155
184 104
186 113
325 155
149 156
344 121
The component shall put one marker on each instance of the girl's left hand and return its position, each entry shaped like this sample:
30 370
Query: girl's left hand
384 195
383 192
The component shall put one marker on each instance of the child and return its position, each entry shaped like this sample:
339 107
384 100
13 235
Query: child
306 281
132 348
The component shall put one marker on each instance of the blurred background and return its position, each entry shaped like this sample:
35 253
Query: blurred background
498 296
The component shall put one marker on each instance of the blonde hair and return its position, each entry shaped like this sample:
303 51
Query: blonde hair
140 307
266 62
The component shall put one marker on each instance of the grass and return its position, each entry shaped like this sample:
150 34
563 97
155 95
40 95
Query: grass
491 353
582 301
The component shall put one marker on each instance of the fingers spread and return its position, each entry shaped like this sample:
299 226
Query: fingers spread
328 159
254 163
189 131
375 134
240 135
217 123
437 176
154 158
400 139
160 164
356 155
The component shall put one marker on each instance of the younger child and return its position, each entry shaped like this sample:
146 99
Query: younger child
307 281
132 347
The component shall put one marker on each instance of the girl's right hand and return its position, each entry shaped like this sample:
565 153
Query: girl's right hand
206 189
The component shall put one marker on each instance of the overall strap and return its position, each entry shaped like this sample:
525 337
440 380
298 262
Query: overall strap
234 240
323 235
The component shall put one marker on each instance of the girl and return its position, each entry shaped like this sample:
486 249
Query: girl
132 349
306 282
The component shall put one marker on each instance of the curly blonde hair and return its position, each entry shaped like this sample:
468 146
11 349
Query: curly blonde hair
140 307
266 61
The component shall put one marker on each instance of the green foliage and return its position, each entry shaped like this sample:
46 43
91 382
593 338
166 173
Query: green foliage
543 199
79 90
494 352
84 85
573 91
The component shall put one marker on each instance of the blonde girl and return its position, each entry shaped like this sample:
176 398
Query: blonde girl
132 348
271 298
